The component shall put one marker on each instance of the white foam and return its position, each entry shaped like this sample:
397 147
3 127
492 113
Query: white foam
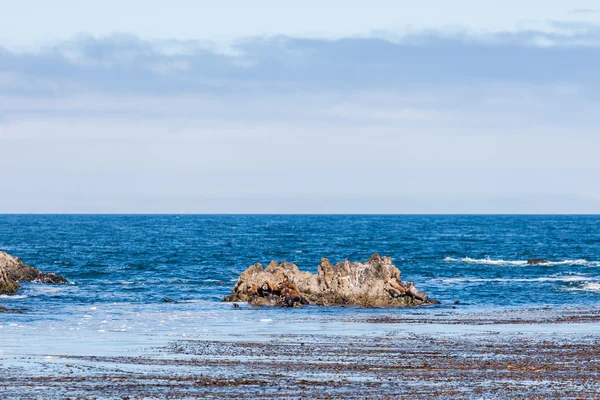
588 287
570 278
489 261
266 320
13 296
47 289
486 261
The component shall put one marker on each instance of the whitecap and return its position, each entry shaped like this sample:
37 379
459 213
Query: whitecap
569 278
588 287
13 296
486 261
194 301
489 261
47 289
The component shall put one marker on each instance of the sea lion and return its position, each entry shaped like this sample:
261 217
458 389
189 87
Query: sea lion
287 284
291 297
254 291
269 288
398 286
392 292
417 294
535 261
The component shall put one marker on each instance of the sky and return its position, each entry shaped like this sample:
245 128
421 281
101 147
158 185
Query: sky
299 106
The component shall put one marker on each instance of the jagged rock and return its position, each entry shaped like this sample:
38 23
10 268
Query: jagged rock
18 271
375 283
535 261
7 284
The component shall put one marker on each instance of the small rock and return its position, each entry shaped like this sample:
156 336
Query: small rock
13 270
535 261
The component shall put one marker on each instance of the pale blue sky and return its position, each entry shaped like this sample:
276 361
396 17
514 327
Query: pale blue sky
31 22
390 107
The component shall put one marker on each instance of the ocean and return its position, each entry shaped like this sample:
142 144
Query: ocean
143 259
112 322
122 268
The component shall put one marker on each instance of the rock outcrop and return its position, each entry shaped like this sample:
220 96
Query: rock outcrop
374 283
13 270
7 284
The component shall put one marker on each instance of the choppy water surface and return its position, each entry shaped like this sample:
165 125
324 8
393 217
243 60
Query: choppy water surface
122 267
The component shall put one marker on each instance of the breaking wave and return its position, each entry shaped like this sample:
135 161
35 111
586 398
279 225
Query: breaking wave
13 296
572 278
489 261
587 287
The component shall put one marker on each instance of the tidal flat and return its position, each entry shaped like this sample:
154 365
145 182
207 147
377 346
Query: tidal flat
521 353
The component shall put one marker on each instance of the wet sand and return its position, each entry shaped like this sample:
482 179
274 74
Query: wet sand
540 353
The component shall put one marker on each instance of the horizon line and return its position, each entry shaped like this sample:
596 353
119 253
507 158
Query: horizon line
298 214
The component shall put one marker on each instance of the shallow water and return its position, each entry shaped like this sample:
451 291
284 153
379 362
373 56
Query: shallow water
122 267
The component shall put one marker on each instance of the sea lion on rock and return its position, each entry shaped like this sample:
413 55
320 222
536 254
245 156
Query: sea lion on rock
392 292
415 293
269 288
398 286
287 284
291 297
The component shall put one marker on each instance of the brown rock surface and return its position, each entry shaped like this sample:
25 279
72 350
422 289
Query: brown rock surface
7 284
374 283
17 271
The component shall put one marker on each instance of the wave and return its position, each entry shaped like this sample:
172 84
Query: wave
489 261
571 278
13 296
588 287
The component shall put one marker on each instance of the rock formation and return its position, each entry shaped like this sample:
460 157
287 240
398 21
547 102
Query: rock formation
7 284
375 283
13 270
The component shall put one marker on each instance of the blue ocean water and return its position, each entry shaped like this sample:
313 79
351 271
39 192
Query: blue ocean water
143 259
